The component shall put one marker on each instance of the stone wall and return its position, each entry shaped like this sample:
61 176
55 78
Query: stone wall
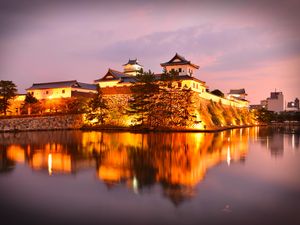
57 122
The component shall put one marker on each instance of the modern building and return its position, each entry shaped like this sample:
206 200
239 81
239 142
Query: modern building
62 89
293 106
275 102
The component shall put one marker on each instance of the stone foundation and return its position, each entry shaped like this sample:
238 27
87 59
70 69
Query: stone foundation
57 122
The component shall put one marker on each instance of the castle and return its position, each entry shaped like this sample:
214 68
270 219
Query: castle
118 83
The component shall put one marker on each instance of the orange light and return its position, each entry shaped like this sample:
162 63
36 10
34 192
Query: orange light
50 164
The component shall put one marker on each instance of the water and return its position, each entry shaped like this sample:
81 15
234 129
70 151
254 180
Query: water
242 176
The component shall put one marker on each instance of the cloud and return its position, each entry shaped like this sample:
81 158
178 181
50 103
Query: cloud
46 40
232 48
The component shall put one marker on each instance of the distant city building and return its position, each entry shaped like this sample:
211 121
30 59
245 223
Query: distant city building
275 102
264 103
61 89
293 106
237 94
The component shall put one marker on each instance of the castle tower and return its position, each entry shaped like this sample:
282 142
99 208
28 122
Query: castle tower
132 67
179 64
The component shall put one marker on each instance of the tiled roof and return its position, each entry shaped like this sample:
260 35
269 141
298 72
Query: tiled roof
182 61
237 91
62 84
132 62
87 86
116 74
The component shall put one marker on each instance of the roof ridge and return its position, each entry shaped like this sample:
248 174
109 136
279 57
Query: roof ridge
181 57
115 70
55 82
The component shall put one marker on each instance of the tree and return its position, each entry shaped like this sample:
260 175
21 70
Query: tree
8 90
217 92
31 104
174 103
265 116
30 99
142 103
75 105
97 108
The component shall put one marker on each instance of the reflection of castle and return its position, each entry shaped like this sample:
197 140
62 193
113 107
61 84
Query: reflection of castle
176 161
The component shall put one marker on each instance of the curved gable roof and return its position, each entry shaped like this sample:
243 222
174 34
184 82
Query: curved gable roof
112 75
179 60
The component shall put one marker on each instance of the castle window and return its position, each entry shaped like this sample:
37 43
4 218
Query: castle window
179 84
193 85
47 92
197 86
63 91
179 70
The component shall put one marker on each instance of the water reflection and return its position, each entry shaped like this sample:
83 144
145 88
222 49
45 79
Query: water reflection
175 161
275 139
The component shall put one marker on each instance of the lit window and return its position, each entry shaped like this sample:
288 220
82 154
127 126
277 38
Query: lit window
193 85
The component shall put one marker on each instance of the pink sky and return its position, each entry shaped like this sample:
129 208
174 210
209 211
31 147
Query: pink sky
253 45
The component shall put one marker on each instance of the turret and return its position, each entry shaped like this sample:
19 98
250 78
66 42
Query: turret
179 64
132 67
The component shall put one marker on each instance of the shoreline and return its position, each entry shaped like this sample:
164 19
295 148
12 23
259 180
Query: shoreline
138 130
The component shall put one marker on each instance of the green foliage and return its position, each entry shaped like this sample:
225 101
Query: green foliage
97 108
141 103
265 116
74 105
174 105
8 90
30 99
161 103
31 104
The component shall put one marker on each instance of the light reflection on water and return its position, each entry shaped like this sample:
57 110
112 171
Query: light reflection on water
166 167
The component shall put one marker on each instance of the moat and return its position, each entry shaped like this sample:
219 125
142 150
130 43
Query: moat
239 176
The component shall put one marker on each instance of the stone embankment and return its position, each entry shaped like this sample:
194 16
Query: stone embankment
57 122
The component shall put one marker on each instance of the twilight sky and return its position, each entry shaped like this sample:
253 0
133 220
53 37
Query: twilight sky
237 44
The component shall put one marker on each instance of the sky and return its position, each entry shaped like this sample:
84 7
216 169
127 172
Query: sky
237 44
